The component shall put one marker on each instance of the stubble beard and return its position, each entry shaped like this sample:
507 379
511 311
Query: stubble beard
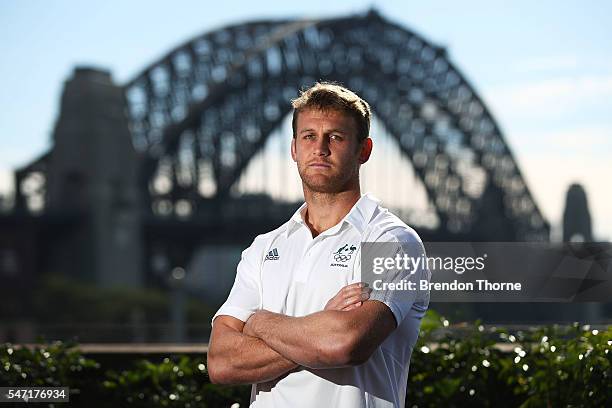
341 181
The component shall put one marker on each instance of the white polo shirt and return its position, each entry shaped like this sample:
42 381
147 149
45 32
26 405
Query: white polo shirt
288 271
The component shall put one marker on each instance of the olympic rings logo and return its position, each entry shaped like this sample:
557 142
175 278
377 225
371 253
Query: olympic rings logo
341 258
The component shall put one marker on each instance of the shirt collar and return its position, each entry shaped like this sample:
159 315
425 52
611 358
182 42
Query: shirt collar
359 216
361 213
296 220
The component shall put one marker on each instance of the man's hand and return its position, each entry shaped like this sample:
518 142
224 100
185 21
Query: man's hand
325 339
248 330
346 333
349 297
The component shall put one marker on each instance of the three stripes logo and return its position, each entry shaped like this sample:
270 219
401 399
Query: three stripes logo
272 255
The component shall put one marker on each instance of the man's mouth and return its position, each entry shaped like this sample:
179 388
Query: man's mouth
321 165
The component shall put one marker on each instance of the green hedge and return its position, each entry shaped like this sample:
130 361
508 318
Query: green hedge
463 366
176 381
554 366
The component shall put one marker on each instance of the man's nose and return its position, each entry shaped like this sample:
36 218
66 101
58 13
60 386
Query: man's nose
322 146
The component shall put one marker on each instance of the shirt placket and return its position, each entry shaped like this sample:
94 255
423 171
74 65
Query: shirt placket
308 260
312 247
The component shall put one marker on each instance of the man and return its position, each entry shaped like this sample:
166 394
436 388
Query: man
298 323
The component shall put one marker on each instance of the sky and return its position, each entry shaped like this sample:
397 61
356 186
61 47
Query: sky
543 68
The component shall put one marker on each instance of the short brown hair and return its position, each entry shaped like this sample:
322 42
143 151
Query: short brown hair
331 96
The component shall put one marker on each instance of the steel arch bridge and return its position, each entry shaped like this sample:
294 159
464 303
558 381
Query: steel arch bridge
202 112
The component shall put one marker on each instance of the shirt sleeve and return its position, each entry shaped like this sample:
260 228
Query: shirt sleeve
244 298
393 289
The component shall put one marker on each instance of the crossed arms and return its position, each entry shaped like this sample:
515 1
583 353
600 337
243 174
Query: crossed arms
269 344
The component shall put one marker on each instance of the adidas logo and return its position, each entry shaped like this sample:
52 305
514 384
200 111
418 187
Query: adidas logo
272 255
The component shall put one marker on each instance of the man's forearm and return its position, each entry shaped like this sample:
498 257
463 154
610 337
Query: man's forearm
319 340
243 359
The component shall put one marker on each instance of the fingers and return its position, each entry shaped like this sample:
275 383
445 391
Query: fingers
352 289
352 286
356 301
353 294
363 295
358 286
353 301
349 296
353 306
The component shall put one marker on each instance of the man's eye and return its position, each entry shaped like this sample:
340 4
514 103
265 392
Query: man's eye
309 136
335 137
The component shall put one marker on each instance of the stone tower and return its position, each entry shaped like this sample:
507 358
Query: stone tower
576 216
93 173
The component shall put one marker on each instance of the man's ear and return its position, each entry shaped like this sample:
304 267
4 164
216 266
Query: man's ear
293 153
366 150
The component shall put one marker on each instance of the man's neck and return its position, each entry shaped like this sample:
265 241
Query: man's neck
323 210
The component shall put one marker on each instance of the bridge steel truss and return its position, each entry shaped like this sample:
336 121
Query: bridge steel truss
202 112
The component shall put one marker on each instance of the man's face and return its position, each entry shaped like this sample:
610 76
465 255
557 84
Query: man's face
326 150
